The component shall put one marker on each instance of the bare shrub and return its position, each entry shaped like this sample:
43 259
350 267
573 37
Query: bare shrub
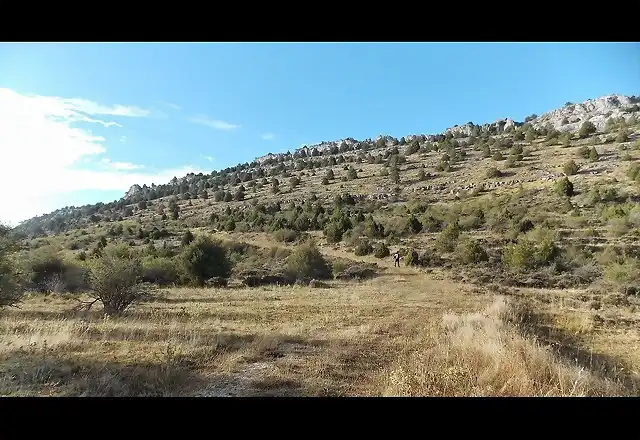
116 280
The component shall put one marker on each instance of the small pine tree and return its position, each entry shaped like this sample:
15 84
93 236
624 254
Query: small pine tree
564 187
586 129
381 251
394 174
570 168
493 172
530 136
413 225
622 136
187 238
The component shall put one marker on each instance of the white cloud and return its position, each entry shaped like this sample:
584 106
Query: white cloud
213 123
268 136
123 139
124 166
209 158
42 153
170 105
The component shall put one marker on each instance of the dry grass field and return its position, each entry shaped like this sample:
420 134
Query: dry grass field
404 333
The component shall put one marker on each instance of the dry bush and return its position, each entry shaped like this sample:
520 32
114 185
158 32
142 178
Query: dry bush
116 280
10 290
481 355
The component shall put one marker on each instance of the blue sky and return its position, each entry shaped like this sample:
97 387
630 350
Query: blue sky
145 111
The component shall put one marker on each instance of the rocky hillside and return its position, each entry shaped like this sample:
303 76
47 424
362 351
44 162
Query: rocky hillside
597 111
565 119
446 173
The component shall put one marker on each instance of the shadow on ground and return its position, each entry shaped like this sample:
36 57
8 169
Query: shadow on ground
570 348
46 374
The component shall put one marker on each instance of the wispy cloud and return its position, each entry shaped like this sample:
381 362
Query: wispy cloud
121 166
170 105
64 107
213 123
47 155
268 136
209 158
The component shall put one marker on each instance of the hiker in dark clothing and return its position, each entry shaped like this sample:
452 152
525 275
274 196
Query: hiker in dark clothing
396 259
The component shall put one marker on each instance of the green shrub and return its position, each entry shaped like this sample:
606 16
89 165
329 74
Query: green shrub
625 272
306 261
564 187
413 225
187 237
381 251
286 235
586 129
10 289
446 241
584 151
363 247
46 271
333 232
471 252
519 256
411 258
160 270
623 136
205 258
570 168
546 250
44 268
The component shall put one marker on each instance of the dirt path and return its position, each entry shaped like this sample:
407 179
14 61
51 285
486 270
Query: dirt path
345 335
264 240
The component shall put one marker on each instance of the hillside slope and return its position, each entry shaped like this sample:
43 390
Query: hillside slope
603 112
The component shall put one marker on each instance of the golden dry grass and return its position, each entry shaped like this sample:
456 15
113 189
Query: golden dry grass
596 328
481 354
298 341
381 337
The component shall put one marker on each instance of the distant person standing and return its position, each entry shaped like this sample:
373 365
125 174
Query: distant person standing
396 259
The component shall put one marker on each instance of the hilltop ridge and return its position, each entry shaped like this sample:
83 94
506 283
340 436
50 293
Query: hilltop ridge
567 119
